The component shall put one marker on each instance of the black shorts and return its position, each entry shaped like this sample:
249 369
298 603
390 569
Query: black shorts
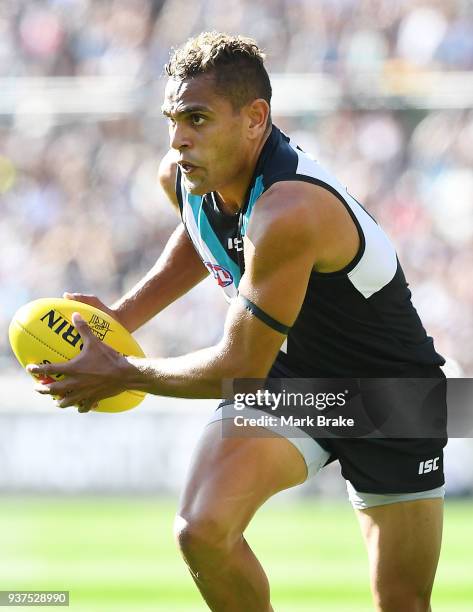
397 445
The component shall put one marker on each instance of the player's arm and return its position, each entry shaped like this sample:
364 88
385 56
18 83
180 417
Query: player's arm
280 250
177 270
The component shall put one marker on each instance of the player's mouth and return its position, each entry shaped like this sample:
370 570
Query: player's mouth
187 167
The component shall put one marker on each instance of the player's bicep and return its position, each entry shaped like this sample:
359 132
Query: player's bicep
249 346
278 262
280 253
276 284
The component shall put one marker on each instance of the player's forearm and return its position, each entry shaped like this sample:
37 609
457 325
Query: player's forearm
197 375
177 270
242 353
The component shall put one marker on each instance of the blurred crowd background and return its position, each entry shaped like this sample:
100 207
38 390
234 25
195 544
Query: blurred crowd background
104 37
80 208
380 92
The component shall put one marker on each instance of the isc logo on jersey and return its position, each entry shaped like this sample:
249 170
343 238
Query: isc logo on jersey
221 274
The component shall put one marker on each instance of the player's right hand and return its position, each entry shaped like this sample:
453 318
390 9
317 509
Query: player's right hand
92 300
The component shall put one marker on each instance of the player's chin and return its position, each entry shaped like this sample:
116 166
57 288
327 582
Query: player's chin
196 187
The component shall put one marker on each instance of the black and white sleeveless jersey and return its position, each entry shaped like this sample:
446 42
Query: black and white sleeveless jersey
358 321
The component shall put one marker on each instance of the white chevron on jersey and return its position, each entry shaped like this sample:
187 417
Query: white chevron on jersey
378 262
230 291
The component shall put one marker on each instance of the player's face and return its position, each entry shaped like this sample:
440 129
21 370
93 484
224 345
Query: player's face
208 134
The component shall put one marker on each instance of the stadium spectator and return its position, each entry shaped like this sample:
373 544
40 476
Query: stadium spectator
59 178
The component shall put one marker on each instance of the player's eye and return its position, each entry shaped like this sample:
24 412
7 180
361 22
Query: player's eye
197 120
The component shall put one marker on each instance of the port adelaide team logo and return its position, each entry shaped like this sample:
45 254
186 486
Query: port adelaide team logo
221 274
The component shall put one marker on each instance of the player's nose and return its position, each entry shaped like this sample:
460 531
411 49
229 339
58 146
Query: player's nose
179 137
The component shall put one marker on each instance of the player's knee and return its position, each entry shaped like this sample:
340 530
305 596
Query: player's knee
202 536
397 597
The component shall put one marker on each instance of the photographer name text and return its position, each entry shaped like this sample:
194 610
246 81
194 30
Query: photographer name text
271 421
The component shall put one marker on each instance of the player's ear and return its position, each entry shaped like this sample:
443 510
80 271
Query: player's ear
257 113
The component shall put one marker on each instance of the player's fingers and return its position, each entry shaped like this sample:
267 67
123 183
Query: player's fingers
42 389
85 298
54 388
92 300
82 327
71 399
87 406
43 369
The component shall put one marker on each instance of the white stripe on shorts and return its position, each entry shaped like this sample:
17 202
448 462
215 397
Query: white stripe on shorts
314 455
362 501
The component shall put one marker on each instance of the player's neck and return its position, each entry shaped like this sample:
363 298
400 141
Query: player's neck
232 198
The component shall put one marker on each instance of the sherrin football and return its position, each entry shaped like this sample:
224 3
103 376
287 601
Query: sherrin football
42 332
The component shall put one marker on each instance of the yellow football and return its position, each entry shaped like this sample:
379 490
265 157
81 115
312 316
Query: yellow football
42 332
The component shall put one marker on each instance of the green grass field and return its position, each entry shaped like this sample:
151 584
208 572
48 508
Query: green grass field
118 555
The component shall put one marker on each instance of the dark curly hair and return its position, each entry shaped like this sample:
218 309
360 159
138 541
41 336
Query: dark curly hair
236 64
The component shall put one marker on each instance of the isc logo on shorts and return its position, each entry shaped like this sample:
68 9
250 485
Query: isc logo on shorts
430 465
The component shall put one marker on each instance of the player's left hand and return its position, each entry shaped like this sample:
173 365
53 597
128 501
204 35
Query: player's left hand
96 373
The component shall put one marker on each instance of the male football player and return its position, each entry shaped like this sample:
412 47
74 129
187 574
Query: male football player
315 290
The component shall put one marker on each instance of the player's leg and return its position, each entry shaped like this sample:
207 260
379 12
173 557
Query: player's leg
229 479
401 518
403 541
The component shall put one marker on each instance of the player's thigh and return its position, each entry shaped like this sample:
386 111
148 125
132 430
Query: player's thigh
403 541
230 476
